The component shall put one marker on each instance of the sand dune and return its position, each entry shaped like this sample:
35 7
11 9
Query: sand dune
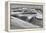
20 24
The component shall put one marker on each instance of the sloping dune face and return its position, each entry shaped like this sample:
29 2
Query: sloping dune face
26 16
